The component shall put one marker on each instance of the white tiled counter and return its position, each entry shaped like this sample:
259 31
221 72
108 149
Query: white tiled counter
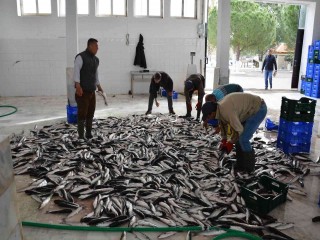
10 226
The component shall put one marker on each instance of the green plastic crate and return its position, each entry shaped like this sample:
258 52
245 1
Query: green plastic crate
264 204
298 110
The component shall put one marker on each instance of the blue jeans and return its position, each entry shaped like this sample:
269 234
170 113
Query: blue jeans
268 75
250 126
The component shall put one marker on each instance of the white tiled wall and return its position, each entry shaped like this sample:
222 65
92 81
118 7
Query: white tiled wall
33 50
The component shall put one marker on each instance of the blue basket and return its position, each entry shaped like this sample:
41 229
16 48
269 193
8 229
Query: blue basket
213 122
295 127
293 148
72 113
270 125
163 93
295 137
175 95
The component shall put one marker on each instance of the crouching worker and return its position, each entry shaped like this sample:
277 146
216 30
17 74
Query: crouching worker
218 94
244 113
195 82
160 79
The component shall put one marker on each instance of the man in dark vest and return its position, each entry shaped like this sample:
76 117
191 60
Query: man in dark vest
86 82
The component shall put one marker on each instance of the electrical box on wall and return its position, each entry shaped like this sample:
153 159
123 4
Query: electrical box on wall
201 29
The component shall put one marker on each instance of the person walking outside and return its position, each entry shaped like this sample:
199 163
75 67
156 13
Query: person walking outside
160 79
86 82
244 113
269 64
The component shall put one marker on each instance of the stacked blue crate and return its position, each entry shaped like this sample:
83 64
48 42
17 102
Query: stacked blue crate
310 86
309 79
295 125
315 90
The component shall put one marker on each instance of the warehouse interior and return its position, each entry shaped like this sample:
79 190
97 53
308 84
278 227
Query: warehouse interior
37 54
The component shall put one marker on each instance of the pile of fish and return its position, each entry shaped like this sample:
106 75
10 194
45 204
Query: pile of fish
154 171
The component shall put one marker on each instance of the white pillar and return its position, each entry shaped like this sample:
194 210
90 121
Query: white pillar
10 223
72 47
221 75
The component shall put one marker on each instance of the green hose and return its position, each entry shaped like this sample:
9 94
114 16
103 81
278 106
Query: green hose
230 233
8 106
236 234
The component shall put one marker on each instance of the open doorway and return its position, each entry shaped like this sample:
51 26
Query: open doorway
249 42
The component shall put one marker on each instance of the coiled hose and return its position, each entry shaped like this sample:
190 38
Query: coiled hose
8 106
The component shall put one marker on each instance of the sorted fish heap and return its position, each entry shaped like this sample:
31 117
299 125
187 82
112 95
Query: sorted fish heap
147 171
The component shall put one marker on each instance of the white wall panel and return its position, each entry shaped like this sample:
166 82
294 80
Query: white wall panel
33 50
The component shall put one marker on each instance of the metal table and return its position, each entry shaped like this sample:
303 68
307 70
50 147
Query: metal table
141 75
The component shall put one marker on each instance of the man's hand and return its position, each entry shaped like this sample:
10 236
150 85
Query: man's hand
226 146
198 106
157 103
79 91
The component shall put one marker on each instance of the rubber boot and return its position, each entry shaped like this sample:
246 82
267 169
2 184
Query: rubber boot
80 128
170 105
249 161
88 129
240 160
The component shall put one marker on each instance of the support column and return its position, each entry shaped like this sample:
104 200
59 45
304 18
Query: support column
10 223
72 47
221 72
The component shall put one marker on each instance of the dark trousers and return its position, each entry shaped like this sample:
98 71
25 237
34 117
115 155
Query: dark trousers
86 107
151 99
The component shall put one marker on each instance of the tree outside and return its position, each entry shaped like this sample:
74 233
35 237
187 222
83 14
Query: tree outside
256 27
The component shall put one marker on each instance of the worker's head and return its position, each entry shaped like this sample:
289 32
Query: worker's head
269 51
92 46
188 85
210 98
157 77
209 111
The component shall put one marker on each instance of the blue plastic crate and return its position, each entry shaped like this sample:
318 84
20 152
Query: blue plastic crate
316 44
293 148
175 95
310 51
213 122
270 125
294 138
72 114
307 92
293 127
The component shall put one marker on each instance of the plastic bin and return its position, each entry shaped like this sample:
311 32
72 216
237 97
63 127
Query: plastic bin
163 93
72 114
298 110
213 122
287 147
293 127
294 138
175 95
264 204
270 125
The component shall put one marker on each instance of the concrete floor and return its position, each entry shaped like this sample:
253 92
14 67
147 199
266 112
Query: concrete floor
41 111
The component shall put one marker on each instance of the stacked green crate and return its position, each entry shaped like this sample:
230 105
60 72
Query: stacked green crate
295 125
